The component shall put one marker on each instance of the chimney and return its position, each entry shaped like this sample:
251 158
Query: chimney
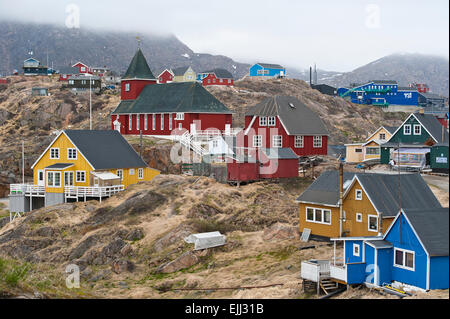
341 195
310 76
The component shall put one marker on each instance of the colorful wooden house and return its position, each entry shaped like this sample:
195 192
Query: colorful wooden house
166 76
284 121
32 66
184 74
410 144
277 163
80 82
369 203
80 165
82 68
266 70
370 148
216 77
163 109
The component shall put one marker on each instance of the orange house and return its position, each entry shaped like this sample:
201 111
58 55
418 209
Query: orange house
369 203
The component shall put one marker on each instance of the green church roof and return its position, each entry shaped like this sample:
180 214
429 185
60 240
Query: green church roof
138 68
176 97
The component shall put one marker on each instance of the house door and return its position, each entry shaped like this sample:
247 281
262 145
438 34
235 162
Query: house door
96 182
227 129
192 128
68 178
41 179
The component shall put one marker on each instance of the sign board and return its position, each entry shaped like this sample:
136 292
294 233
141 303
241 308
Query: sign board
441 160
305 234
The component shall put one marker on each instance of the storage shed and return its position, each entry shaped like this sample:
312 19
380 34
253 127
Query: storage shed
278 163
206 240
439 158
244 169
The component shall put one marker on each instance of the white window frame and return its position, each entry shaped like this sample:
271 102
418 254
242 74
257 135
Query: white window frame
170 121
153 121
403 266
162 121
52 153
140 173
368 223
179 117
299 141
316 139
356 252
257 140
127 87
271 121
277 141
420 129
359 217
119 173
131 171
322 214
145 122
53 185
65 178
382 136
79 180
358 191
262 121
130 122
138 117
404 129
69 153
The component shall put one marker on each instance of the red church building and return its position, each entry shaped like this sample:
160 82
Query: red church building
166 76
165 109
285 122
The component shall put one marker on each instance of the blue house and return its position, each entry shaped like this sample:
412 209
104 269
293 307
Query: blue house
31 66
267 70
412 253
380 93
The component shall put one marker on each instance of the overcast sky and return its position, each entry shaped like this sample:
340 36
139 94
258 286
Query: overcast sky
337 35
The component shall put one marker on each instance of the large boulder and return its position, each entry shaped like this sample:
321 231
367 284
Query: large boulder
186 260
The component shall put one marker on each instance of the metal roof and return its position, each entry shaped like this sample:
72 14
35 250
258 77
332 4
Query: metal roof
431 225
138 68
279 153
380 244
105 149
270 66
383 81
180 71
296 117
433 126
220 73
59 166
390 129
182 97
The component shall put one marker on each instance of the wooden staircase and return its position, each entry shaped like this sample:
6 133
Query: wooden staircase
328 286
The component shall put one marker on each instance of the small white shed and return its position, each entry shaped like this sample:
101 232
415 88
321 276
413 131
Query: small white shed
206 240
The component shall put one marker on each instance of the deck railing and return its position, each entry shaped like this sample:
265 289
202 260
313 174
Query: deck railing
27 189
92 191
315 269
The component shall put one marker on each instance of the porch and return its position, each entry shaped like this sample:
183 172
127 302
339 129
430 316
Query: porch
83 192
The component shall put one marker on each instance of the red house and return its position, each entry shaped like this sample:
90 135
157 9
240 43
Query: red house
82 68
242 170
64 77
3 80
285 122
216 77
166 76
165 109
278 163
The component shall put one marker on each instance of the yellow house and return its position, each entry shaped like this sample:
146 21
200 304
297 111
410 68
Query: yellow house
184 74
370 203
81 164
370 148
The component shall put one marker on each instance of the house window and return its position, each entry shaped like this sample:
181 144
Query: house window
154 122
373 223
277 141
229 81
257 141
179 117
83 69
372 150
317 141
162 121
170 122
81 177
382 136
358 194
417 129
407 129
404 258
358 150
298 142
359 217
271 120
131 171
262 121
145 122
140 173
127 87
130 122
318 215
356 250
137 121
54 179
72 153
120 173
215 143
54 153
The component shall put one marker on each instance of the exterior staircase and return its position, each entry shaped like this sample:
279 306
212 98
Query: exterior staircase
328 286
188 141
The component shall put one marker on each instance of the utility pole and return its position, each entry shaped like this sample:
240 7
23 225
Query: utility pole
23 163
90 105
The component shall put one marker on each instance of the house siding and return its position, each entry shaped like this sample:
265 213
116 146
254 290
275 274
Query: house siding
253 71
324 230
402 138
439 276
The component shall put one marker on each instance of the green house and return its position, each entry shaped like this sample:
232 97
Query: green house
439 158
412 142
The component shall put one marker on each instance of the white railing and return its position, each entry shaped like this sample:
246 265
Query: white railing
315 269
92 191
187 141
27 189
338 272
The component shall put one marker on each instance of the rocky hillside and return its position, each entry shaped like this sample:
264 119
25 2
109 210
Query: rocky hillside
100 48
405 68
35 120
